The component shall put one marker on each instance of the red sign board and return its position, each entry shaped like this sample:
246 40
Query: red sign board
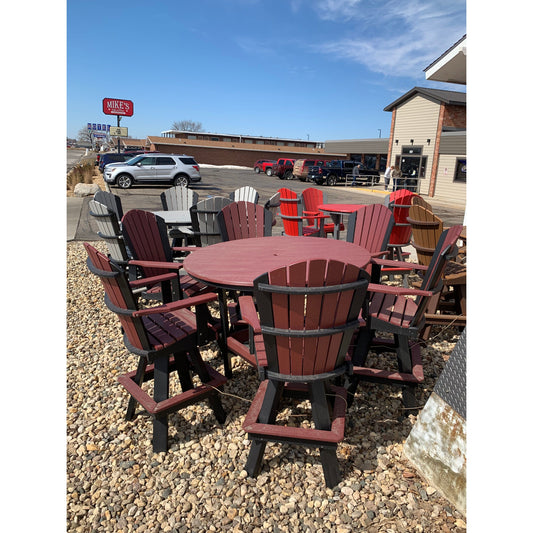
113 106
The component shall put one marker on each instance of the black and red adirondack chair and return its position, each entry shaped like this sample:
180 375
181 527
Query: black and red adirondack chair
370 227
308 313
392 310
312 198
146 237
244 220
294 221
166 339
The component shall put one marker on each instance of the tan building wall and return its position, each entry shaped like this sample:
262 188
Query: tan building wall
446 187
417 119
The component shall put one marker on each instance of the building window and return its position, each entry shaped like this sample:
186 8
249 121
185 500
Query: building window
191 137
460 171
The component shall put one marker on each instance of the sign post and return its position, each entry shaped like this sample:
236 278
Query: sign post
120 108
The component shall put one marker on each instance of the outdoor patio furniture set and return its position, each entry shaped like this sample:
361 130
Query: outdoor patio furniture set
304 312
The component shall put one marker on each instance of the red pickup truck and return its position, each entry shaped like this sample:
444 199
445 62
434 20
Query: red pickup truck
283 169
264 165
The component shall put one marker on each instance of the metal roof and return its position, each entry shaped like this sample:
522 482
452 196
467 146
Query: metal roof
446 97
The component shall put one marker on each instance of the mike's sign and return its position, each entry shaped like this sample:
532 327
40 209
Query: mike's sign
112 106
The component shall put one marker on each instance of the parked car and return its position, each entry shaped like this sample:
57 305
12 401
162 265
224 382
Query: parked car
113 157
154 168
283 168
340 170
261 165
301 167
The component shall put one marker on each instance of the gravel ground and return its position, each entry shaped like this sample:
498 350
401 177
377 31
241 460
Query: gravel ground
116 483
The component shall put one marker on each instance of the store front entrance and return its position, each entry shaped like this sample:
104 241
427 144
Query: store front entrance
412 165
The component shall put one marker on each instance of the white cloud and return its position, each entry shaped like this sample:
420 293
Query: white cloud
337 9
395 38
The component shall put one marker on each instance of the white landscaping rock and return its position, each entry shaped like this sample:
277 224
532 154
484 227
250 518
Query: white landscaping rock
85 189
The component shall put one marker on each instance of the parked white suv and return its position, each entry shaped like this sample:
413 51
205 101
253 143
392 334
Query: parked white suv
154 168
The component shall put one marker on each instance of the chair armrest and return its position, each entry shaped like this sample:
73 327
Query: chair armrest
176 306
398 264
154 280
184 248
163 265
377 254
398 291
249 313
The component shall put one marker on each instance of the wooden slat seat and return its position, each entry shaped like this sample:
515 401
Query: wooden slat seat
165 337
306 314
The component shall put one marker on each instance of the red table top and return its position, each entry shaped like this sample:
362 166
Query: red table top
339 208
235 264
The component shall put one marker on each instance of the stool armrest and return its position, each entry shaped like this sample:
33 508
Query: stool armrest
397 291
249 313
154 280
163 265
176 306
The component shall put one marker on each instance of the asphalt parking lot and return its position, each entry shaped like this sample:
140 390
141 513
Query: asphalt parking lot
222 181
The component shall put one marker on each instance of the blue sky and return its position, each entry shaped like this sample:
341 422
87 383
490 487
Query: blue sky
317 69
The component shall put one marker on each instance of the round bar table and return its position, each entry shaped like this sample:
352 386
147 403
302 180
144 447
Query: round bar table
234 265
336 211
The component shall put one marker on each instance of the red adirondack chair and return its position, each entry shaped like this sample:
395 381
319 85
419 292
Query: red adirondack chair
243 220
399 202
166 339
291 213
312 198
391 310
308 312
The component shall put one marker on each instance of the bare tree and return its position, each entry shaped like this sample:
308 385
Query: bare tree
187 125
84 135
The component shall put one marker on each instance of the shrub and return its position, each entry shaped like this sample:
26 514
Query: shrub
82 173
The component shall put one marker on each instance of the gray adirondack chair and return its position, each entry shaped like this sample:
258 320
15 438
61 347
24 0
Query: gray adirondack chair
109 230
205 228
178 198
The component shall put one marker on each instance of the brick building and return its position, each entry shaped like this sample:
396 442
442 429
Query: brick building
219 152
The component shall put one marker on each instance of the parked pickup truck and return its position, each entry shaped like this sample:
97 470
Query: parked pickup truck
301 166
263 165
340 170
283 168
